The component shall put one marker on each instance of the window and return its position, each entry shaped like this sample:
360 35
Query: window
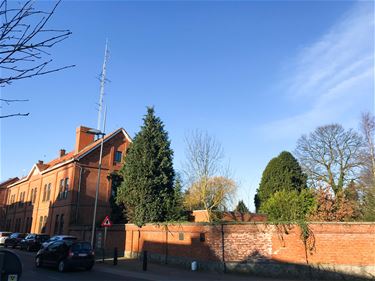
31 197
48 192
7 227
61 189
56 228
35 191
66 188
18 225
40 224
26 224
44 224
118 156
61 224
44 192
55 245
22 198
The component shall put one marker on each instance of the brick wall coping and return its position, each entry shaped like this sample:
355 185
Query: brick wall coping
246 223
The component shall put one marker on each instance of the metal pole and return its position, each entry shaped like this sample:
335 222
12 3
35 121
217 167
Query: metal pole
105 236
98 182
97 193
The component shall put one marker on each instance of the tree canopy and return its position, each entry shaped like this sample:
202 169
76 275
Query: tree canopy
148 175
282 173
241 207
330 156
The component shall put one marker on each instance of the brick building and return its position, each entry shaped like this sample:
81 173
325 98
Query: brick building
3 200
61 193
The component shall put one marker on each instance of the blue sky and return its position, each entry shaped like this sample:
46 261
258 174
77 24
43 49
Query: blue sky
254 74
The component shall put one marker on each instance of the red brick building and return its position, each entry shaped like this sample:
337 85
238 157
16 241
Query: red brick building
61 193
3 200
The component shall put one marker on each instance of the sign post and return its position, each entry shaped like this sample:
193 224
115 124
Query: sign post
106 223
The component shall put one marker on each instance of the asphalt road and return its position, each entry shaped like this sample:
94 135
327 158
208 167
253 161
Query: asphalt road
31 273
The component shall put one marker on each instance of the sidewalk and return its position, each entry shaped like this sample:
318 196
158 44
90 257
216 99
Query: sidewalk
158 272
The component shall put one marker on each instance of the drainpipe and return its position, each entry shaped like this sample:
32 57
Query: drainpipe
78 193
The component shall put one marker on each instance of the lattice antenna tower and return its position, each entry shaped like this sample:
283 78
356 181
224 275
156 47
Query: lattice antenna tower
102 84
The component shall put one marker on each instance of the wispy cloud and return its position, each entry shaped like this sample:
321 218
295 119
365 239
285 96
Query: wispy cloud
332 77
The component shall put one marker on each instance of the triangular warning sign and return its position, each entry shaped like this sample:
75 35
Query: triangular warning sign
106 222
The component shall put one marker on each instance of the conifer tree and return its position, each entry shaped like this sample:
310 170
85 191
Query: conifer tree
148 174
241 207
283 173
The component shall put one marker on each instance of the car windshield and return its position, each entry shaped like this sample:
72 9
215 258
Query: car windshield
14 235
30 236
81 247
5 234
70 238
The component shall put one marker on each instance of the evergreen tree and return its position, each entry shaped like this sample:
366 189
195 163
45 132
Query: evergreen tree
148 174
175 203
256 202
289 205
117 210
283 173
241 208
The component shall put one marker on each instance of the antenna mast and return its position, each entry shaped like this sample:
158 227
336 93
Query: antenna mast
102 83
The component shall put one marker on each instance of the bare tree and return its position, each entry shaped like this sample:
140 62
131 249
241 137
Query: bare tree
368 155
368 170
330 156
24 43
209 186
210 194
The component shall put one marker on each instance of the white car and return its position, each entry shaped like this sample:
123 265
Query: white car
3 236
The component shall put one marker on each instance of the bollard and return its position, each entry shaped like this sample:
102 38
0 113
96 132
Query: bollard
115 256
144 261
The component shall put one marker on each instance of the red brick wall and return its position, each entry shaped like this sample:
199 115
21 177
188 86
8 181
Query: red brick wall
335 243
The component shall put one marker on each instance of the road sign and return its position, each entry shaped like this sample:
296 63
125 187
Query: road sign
107 222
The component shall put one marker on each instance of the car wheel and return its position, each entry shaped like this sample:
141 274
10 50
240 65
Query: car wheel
5 245
61 267
38 262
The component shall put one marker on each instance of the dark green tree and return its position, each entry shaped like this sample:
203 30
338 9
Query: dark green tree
241 207
117 210
283 173
148 174
175 211
289 205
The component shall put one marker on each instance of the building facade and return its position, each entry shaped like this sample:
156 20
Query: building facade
61 193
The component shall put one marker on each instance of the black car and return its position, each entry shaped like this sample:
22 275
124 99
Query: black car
65 255
14 240
33 241
58 238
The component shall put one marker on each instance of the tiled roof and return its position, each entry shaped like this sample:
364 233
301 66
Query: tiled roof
72 155
8 181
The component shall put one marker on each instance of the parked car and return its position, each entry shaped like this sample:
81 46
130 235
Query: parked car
58 238
33 241
66 254
14 240
3 236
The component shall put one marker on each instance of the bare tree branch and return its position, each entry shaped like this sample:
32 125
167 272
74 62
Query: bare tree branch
25 41
13 115
330 155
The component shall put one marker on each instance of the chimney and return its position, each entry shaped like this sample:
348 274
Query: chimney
83 139
40 162
61 153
